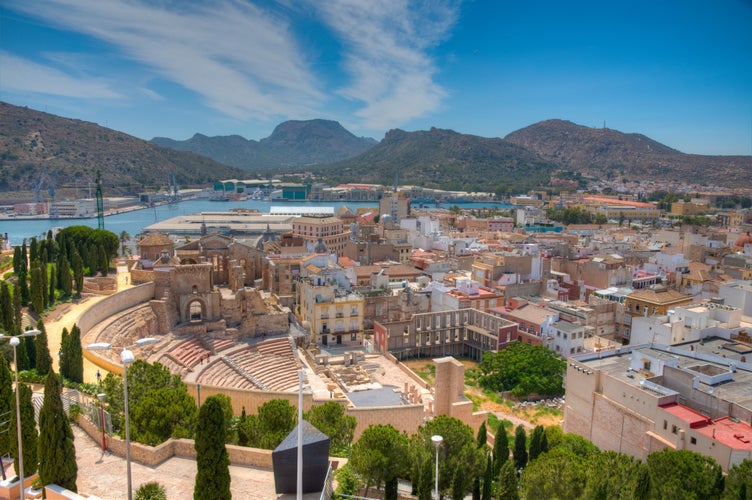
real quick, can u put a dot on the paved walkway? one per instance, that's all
(104, 475)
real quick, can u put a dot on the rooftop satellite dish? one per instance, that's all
(642, 381)
(710, 390)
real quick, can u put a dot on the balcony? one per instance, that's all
(340, 315)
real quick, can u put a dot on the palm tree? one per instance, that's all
(124, 237)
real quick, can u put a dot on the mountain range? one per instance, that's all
(40, 150)
(35, 146)
(292, 143)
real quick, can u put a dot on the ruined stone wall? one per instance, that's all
(114, 304)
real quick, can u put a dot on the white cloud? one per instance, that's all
(242, 60)
(387, 58)
(21, 75)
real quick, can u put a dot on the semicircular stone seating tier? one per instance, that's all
(128, 325)
(269, 365)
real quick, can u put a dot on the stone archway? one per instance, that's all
(196, 311)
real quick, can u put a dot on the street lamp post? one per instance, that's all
(437, 440)
(15, 341)
(127, 357)
(101, 396)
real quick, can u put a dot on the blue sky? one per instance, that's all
(677, 71)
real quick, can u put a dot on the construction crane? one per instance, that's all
(100, 203)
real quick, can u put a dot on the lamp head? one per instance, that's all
(14, 341)
(437, 440)
(98, 346)
(127, 357)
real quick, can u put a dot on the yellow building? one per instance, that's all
(334, 317)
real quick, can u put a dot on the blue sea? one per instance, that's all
(134, 222)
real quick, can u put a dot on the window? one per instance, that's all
(674, 429)
(693, 440)
(665, 425)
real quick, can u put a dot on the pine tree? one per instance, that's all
(501, 449)
(212, 460)
(44, 360)
(28, 432)
(6, 396)
(75, 356)
(57, 454)
(520, 447)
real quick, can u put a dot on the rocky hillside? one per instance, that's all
(291, 144)
(36, 146)
(445, 159)
(603, 152)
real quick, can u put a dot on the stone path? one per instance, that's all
(104, 475)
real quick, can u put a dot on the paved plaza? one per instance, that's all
(104, 475)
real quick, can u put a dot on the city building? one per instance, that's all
(693, 396)
(327, 230)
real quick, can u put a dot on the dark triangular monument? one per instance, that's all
(315, 460)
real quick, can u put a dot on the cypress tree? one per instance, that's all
(53, 284)
(482, 435)
(57, 454)
(17, 260)
(212, 460)
(506, 486)
(64, 365)
(520, 447)
(23, 286)
(17, 310)
(75, 356)
(31, 350)
(51, 250)
(22, 355)
(104, 260)
(243, 438)
(45, 284)
(33, 250)
(37, 292)
(488, 480)
(501, 449)
(535, 442)
(6, 308)
(24, 261)
(28, 432)
(6, 396)
(65, 283)
(78, 272)
(44, 360)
